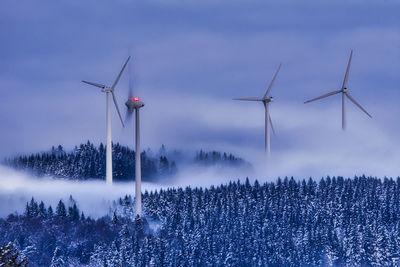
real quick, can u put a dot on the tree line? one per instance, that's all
(87, 161)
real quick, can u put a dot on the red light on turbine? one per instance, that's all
(135, 99)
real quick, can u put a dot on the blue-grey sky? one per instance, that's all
(190, 58)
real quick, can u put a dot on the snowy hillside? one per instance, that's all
(335, 221)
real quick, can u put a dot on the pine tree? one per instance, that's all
(42, 210)
(73, 212)
(60, 210)
(50, 212)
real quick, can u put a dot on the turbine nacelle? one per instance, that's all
(107, 90)
(344, 90)
(134, 103)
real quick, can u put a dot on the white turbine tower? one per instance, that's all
(265, 100)
(109, 90)
(345, 94)
(134, 104)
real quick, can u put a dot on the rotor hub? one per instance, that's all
(269, 99)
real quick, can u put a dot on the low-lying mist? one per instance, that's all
(95, 197)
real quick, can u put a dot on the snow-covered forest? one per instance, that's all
(87, 161)
(331, 222)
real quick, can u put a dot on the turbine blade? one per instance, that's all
(128, 115)
(95, 84)
(248, 99)
(130, 88)
(358, 105)
(120, 73)
(272, 126)
(323, 96)
(116, 106)
(346, 76)
(272, 82)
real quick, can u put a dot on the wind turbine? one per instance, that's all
(109, 90)
(134, 104)
(265, 100)
(345, 94)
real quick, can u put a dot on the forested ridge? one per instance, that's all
(88, 161)
(330, 222)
